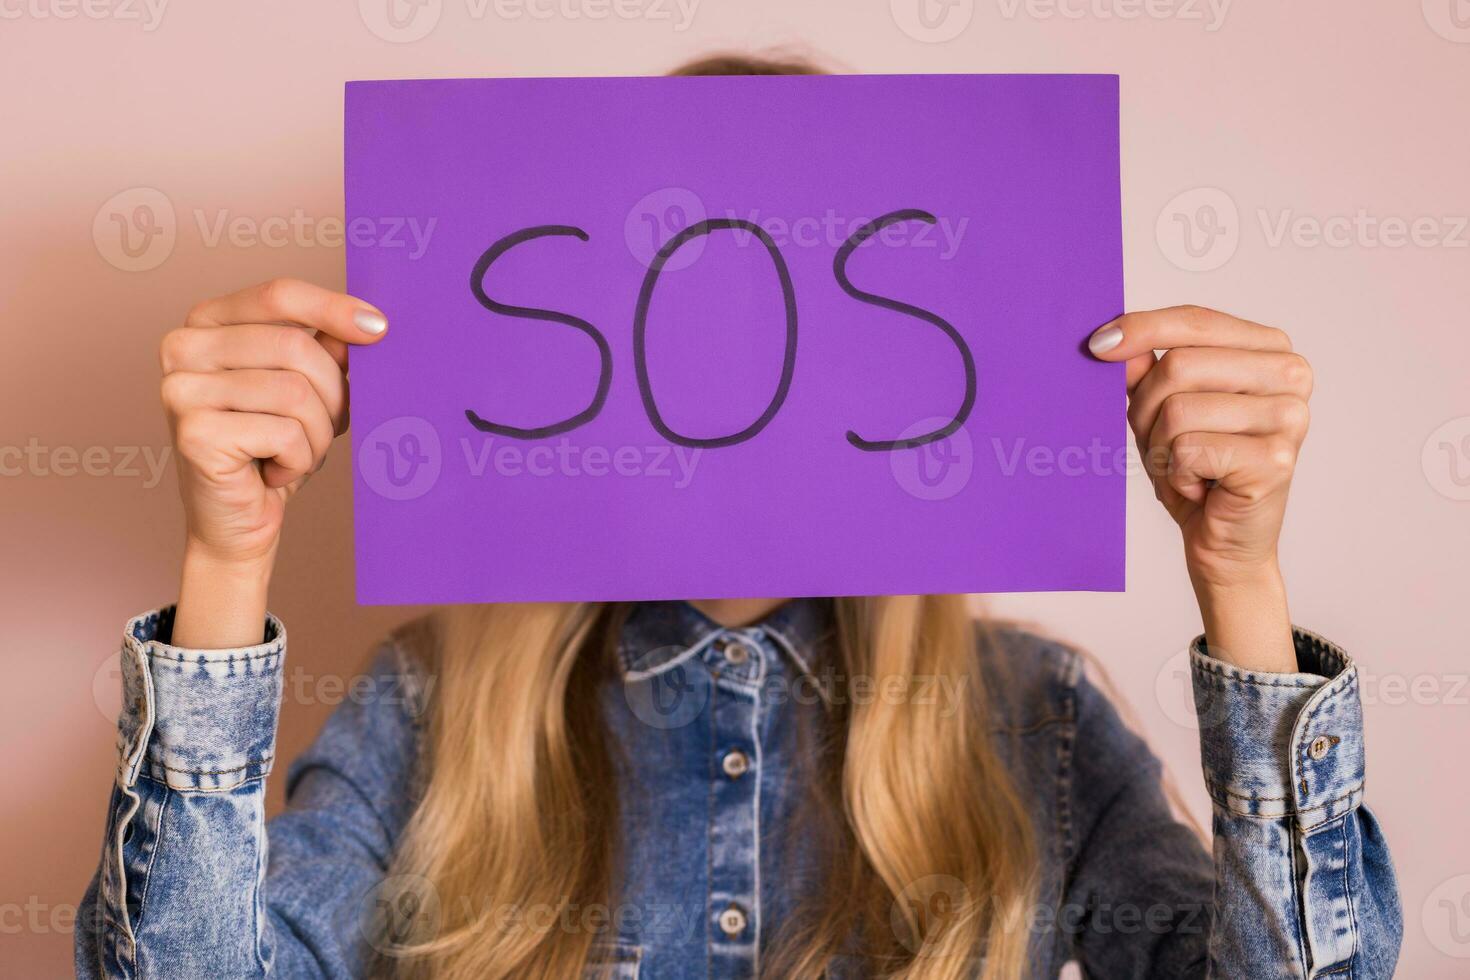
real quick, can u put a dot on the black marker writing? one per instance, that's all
(839, 269)
(477, 287)
(640, 329)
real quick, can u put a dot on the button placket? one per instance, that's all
(740, 661)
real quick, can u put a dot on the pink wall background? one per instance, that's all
(1297, 112)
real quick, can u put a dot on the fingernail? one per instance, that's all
(370, 321)
(1105, 338)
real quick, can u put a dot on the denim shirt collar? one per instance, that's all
(658, 635)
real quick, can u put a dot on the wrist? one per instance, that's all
(1246, 619)
(222, 601)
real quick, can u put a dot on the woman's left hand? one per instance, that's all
(1219, 418)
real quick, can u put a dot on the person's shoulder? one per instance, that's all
(372, 739)
(405, 659)
(1031, 679)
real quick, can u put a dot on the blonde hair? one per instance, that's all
(934, 868)
(515, 835)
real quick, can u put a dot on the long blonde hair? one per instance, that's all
(934, 868)
(514, 838)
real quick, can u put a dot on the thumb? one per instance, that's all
(1106, 344)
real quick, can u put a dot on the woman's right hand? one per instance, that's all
(254, 400)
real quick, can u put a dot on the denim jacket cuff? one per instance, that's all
(197, 719)
(1277, 745)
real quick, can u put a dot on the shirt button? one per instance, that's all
(735, 764)
(1320, 746)
(732, 921)
(736, 652)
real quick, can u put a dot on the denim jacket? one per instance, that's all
(706, 719)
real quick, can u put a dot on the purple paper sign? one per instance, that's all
(735, 337)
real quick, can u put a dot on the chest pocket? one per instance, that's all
(613, 962)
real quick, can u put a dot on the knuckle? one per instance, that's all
(1174, 415)
(192, 435)
(1196, 318)
(1280, 456)
(174, 391)
(301, 442)
(1297, 372)
(276, 295)
(292, 345)
(1185, 446)
(294, 390)
(1294, 416)
(197, 314)
(171, 349)
(1174, 367)
(1135, 417)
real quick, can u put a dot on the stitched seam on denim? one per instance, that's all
(1030, 729)
(1327, 653)
(1237, 679)
(257, 898)
(151, 777)
(210, 772)
(148, 872)
(1299, 872)
(709, 844)
(755, 899)
(1322, 647)
(115, 848)
(795, 655)
(156, 654)
(1065, 745)
(1347, 892)
(644, 674)
(1286, 811)
(1305, 726)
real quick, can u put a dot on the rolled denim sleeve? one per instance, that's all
(187, 886)
(1303, 881)
(195, 739)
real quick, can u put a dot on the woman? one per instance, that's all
(806, 787)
